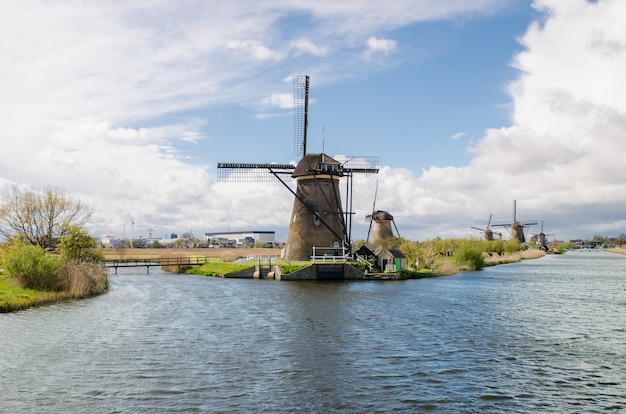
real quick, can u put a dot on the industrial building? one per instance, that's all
(240, 238)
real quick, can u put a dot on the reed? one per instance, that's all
(80, 279)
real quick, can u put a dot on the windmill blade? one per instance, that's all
(251, 172)
(371, 216)
(358, 164)
(300, 114)
(369, 231)
(489, 222)
(396, 227)
(375, 195)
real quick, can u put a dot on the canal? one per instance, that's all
(546, 335)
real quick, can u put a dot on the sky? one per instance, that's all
(469, 105)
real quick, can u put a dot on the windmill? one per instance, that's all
(542, 241)
(516, 228)
(318, 218)
(381, 221)
(487, 232)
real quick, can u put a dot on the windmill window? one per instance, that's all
(328, 167)
(316, 219)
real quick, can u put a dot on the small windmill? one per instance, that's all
(517, 228)
(381, 221)
(487, 232)
(542, 240)
(318, 218)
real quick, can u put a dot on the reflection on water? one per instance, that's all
(545, 335)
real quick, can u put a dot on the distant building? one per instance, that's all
(240, 238)
(109, 240)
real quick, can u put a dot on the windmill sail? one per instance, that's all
(300, 114)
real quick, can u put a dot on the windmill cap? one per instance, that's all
(312, 164)
(382, 215)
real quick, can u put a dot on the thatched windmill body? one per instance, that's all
(318, 218)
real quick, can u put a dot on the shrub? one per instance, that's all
(470, 258)
(77, 244)
(512, 246)
(32, 267)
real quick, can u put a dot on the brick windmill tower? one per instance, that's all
(318, 219)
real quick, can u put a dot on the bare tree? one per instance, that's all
(40, 217)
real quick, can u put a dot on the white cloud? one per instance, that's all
(304, 45)
(280, 100)
(377, 47)
(256, 50)
(563, 152)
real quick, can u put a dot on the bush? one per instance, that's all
(512, 246)
(77, 244)
(32, 267)
(470, 258)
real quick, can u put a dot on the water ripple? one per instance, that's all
(540, 336)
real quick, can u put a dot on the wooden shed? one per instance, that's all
(391, 260)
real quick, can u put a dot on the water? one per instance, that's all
(546, 335)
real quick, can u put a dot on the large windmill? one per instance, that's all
(318, 218)
(517, 228)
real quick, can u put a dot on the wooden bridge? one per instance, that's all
(179, 262)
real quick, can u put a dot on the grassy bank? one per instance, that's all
(13, 297)
(446, 266)
(79, 285)
(75, 281)
(513, 257)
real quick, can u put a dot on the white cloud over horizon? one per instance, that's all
(97, 101)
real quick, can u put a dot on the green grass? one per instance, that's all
(14, 298)
(287, 267)
(220, 268)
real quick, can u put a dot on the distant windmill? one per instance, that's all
(487, 232)
(516, 228)
(542, 240)
(318, 218)
(381, 221)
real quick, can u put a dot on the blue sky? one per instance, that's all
(446, 79)
(470, 104)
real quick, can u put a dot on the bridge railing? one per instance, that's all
(329, 254)
(159, 261)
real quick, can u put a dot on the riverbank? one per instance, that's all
(14, 298)
(513, 257)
